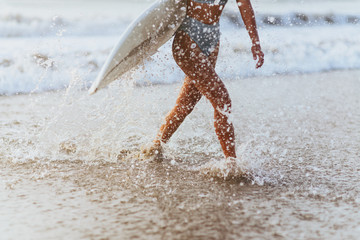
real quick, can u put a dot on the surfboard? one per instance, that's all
(143, 37)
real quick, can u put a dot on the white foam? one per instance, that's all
(43, 64)
(225, 168)
(43, 52)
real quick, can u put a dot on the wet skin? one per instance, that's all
(201, 78)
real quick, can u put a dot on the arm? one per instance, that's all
(248, 16)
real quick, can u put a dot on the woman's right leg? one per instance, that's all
(188, 97)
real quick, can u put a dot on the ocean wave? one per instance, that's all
(43, 53)
(18, 25)
(298, 19)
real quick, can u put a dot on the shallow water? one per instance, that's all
(69, 165)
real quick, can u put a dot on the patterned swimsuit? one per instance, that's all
(206, 36)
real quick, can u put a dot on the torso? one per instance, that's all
(205, 11)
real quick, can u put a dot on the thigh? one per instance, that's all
(200, 69)
(186, 51)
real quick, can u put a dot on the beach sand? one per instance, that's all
(69, 171)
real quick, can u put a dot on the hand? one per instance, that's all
(257, 54)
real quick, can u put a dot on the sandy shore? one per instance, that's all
(68, 169)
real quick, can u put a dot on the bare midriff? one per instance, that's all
(203, 12)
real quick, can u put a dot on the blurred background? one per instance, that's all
(46, 42)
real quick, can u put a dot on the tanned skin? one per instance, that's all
(201, 78)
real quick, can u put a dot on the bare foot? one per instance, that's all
(233, 168)
(153, 151)
(231, 163)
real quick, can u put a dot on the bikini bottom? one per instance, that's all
(206, 36)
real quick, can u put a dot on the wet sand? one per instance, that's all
(69, 171)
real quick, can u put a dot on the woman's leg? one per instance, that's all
(214, 90)
(188, 97)
(203, 79)
(201, 70)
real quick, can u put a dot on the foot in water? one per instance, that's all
(153, 151)
(227, 169)
(233, 169)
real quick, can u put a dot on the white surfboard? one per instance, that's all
(144, 36)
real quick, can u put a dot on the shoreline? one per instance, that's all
(150, 84)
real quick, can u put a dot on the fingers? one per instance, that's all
(258, 55)
(261, 59)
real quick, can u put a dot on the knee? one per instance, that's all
(223, 109)
(226, 103)
(222, 102)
